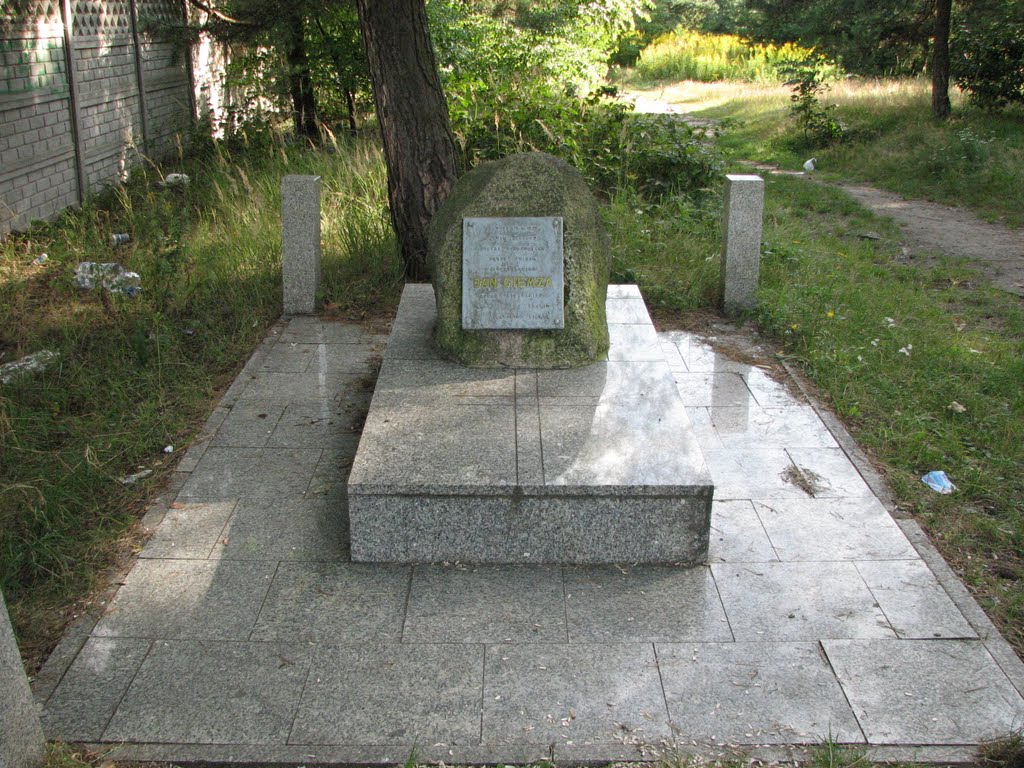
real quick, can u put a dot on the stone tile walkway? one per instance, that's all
(243, 632)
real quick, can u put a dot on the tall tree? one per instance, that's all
(940, 59)
(413, 116)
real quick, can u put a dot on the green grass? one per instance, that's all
(975, 160)
(138, 374)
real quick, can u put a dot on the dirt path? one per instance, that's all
(928, 228)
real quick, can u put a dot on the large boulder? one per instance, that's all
(534, 184)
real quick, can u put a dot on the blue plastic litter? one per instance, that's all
(938, 481)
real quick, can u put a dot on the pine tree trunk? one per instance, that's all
(940, 60)
(413, 116)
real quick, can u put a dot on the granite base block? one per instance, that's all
(589, 465)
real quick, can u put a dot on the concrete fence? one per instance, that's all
(85, 91)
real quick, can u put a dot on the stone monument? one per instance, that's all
(520, 262)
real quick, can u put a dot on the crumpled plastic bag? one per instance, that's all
(37, 361)
(939, 482)
(112, 276)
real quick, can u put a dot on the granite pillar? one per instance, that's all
(741, 242)
(300, 243)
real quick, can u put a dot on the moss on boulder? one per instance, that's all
(525, 185)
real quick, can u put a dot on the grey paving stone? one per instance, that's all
(311, 529)
(231, 473)
(699, 356)
(621, 443)
(313, 330)
(796, 426)
(926, 691)
(704, 429)
(737, 535)
(529, 454)
(831, 470)
(386, 694)
(332, 470)
(334, 603)
(755, 693)
(289, 356)
(305, 425)
(430, 446)
(90, 691)
(188, 598)
(833, 529)
(202, 692)
(438, 383)
(277, 386)
(627, 311)
(643, 604)
(751, 474)
(798, 601)
(720, 389)
(614, 380)
(633, 342)
(770, 392)
(248, 425)
(913, 600)
(189, 531)
(573, 694)
(485, 604)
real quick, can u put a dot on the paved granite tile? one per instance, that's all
(770, 392)
(332, 470)
(913, 600)
(606, 381)
(334, 603)
(313, 330)
(627, 311)
(926, 691)
(360, 358)
(231, 473)
(699, 356)
(187, 598)
(718, 390)
(289, 356)
(189, 531)
(485, 604)
(751, 474)
(831, 472)
(635, 343)
(248, 425)
(439, 383)
(573, 694)
(703, 428)
(202, 692)
(90, 691)
(796, 426)
(737, 535)
(387, 694)
(305, 425)
(643, 604)
(310, 529)
(754, 693)
(833, 529)
(798, 601)
(268, 387)
(529, 456)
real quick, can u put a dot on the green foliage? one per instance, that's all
(690, 55)
(819, 124)
(512, 91)
(988, 52)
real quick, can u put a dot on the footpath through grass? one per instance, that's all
(137, 374)
(975, 160)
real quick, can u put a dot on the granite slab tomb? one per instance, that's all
(597, 464)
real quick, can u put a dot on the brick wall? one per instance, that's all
(85, 91)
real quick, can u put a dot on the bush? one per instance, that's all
(689, 55)
(988, 60)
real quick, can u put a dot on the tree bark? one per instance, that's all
(300, 82)
(413, 116)
(940, 60)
